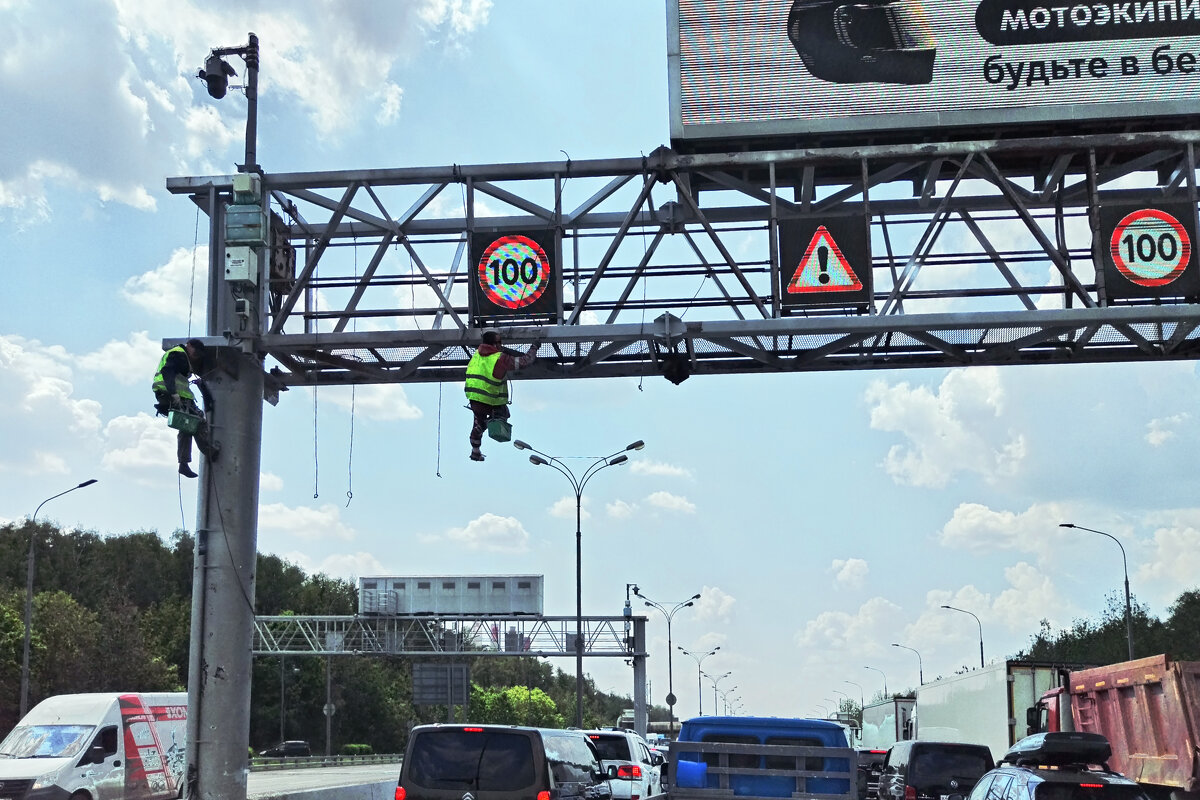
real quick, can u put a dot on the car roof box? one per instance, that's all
(1060, 749)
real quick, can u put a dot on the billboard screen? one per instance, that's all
(746, 68)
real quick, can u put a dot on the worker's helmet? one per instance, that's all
(883, 41)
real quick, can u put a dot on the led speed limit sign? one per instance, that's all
(513, 274)
(1150, 251)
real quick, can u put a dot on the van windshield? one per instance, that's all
(46, 741)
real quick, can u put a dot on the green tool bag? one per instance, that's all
(184, 422)
(499, 429)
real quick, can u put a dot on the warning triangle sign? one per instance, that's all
(823, 268)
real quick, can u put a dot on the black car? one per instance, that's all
(500, 762)
(290, 749)
(1057, 766)
(919, 770)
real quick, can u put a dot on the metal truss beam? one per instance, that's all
(983, 253)
(482, 636)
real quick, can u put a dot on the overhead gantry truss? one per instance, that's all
(518, 635)
(983, 253)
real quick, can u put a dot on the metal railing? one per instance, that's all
(264, 763)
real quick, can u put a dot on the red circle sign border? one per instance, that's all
(1114, 247)
(486, 286)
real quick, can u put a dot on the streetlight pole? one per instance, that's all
(699, 689)
(577, 483)
(977, 622)
(920, 665)
(715, 680)
(29, 595)
(885, 691)
(862, 698)
(670, 615)
(1125, 567)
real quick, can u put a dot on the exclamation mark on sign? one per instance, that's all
(823, 261)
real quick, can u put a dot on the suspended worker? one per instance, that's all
(173, 392)
(487, 384)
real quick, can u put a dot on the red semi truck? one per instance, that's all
(1149, 710)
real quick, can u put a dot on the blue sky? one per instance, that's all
(821, 516)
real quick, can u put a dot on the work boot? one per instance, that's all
(186, 471)
(476, 455)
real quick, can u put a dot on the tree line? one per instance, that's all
(112, 613)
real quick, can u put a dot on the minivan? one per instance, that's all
(917, 770)
(500, 762)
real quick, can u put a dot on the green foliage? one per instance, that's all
(1104, 641)
(356, 750)
(515, 705)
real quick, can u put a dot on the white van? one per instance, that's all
(106, 746)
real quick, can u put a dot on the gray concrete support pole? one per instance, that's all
(223, 582)
(641, 717)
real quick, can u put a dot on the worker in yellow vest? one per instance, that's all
(487, 384)
(173, 392)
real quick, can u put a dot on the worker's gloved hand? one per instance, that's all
(163, 404)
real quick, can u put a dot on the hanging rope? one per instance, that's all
(316, 466)
(350, 458)
(438, 468)
(192, 290)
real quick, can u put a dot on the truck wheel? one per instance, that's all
(81, 795)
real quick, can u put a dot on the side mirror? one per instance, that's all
(95, 754)
(611, 771)
(656, 759)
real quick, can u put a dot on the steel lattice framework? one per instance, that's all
(983, 252)
(441, 636)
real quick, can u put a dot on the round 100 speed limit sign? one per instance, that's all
(513, 272)
(1150, 247)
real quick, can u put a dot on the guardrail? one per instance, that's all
(263, 763)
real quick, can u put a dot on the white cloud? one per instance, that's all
(350, 566)
(127, 108)
(269, 482)
(309, 524)
(948, 431)
(492, 533)
(979, 529)
(714, 603)
(671, 502)
(564, 508)
(876, 620)
(177, 289)
(658, 468)
(36, 384)
(1031, 596)
(386, 402)
(1174, 554)
(141, 447)
(1160, 431)
(619, 509)
(125, 361)
(851, 572)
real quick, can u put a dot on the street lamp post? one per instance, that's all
(1125, 567)
(577, 483)
(699, 687)
(670, 615)
(920, 665)
(29, 595)
(877, 669)
(715, 680)
(977, 622)
(862, 698)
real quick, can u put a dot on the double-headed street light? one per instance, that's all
(715, 680)
(699, 688)
(577, 483)
(29, 595)
(977, 622)
(1125, 567)
(920, 666)
(670, 615)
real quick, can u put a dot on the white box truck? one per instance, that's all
(984, 706)
(109, 746)
(887, 722)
